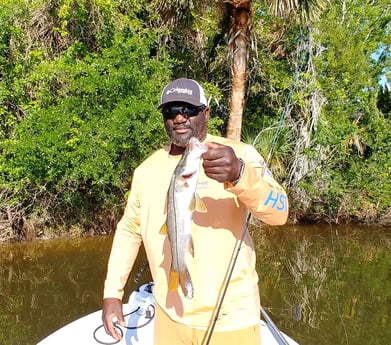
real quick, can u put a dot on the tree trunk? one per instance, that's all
(238, 47)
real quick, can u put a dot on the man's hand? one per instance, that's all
(112, 308)
(220, 163)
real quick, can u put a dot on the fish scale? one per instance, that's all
(182, 202)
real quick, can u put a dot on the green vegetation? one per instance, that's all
(80, 83)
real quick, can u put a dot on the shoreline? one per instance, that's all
(31, 231)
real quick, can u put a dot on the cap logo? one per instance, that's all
(179, 90)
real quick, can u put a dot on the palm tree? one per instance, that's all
(177, 12)
(238, 46)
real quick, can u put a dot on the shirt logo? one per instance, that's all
(277, 200)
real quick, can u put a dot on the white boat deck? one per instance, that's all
(89, 330)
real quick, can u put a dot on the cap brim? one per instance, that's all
(196, 104)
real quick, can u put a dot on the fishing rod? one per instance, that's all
(269, 323)
(210, 332)
(272, 327)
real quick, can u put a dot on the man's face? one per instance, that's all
(183, 121)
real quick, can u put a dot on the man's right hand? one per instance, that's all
(112, 308)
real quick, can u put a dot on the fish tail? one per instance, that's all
(173, 281)
(186, 284)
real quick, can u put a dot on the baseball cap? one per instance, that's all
(183, 90)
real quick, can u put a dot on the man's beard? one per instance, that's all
(181, 141)
(195, 130)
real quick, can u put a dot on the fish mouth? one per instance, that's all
(187, 176)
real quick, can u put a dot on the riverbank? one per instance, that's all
(27, 229)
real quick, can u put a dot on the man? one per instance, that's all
(233, 180)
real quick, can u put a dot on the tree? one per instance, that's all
(240, 14)
(238, 46)
(350, 142)
(74, 97)
(238, 43)
(89, 117)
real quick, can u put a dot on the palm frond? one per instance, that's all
(264, 142)
(175, 12)
(306, 11)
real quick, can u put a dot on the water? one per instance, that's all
(321, 285)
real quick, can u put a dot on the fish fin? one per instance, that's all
(193, 204)
(173, 281)
(199, 204)
(166, 204)
(163, 229)
(186, 284)
(190, 246)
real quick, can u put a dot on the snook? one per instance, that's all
(182, 201)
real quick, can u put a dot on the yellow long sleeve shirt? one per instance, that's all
(216, 235)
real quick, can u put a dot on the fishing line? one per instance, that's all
(281, 119)
(337, 281)
(267, 162)
(287, 105)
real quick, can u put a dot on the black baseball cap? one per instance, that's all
(183, 90)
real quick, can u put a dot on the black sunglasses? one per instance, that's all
(170, 112)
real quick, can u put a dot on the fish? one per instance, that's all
(182, 201)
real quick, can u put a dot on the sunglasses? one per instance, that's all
(170, 112)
